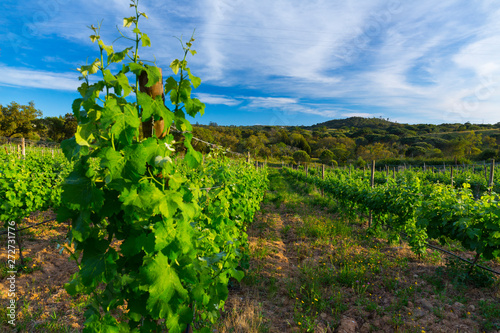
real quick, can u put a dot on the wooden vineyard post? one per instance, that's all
(394, 172)
(451, 175)
(23, 147)
(424, 166)
(372, 184)
(248, 157)
(492, 173)
(256, 165)
(307, 169)
(153, 91)
(372, 178)
(323, 178)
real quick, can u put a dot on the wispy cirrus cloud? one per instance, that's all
(22, 77)
(218, 99)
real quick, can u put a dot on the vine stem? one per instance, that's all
(136, 55)
(474, 263)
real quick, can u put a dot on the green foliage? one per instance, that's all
(491, 312)
(301, 156)
(326, 156)
(55, 128)
(16, 120)
(360, 162)
(463, 273)
(29, 184)
(179, 223)
(420, 209)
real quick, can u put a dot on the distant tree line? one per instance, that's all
(359, 140)
(353, 140)
(27, 121)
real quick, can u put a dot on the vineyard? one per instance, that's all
(128, 228)
(299, 236)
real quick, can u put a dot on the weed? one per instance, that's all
(462, 274)
(438, 312)
(436, 280)
(433, 258)
(338, 305)
(371, 306)
(285, 230)
(348, 275)
(491, 314)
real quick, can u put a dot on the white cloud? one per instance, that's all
(290, 106)
(271, 102)
(22, 77)
(357, 114)
(217, 99)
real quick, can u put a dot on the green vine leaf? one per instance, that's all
(163, 284)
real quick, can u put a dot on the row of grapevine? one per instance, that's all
(478, 178)
(421, 209)
(30, 184)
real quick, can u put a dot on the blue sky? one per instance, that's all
(280, 62)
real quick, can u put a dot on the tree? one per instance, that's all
(17, 120)
(301, 156)
(375, 151)
(340, 154)
(326, 156)
(300, 142)
(255, 143)
(55, 128)
(70, 125)
(472, 141)
(360, 162)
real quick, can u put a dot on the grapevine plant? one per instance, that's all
(156, 251)
(423, 210)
